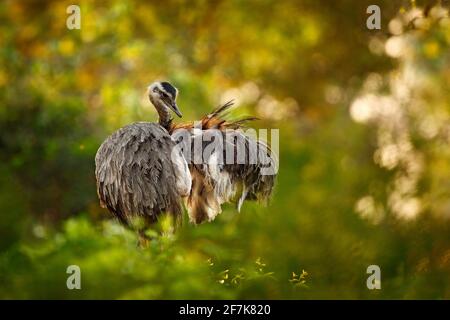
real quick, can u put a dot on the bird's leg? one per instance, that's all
(144, 240)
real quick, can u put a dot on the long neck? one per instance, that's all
(165, 118)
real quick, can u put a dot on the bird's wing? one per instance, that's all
(217, 119)
(216, 180)
(139, 174)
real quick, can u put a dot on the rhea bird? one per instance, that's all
(140, 175)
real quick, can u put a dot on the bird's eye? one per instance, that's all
(155, 89)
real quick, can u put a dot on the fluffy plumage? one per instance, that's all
(215, 183)
(136, 176)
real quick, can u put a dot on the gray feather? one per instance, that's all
(135, 174)
(217, 183)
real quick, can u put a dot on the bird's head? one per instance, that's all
(164, 95)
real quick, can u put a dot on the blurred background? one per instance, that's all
(364, 123)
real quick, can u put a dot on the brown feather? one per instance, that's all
(215, 120)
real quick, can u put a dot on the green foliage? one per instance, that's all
(301, 66)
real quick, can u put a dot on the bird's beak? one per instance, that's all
(174, 107)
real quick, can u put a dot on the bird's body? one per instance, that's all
(142, 172)
(136, 176)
